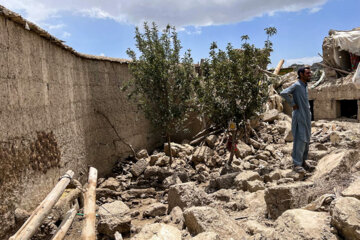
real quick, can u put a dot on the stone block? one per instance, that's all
(158, 231)
(186, 195)
(207, 219)
(303, 224)
(139, 167)
(281, 198)
(346, 217)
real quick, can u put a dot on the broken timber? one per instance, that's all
(278, 67)
(88, 231)
(29, 228)
(66, 223)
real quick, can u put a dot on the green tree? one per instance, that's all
(233, 87)
(161, 80)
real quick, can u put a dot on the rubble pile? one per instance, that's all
(260, 197)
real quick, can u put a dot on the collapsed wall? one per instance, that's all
(48, 97)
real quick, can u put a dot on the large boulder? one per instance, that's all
(283, 197)
(158, 231)
(353, 190)
(207, 219)
(336, 165)
(242, 178)
(186, 195)
(303, 224)
(346, 217)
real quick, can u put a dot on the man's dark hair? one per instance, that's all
(302, 70)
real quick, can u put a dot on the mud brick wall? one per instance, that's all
(48, 95)
(326, 105)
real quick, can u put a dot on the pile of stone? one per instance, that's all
(259, 198)
(199, 196)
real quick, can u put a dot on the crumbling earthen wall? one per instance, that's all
(326, 105)
(48, 125)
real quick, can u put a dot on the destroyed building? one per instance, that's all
(337, 94)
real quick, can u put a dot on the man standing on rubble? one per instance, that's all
(301, 118)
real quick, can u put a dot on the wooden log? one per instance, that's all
(336, 69)
(88, 231)
(29, 228)
(278, 67)
(200, 139)
(66, 222)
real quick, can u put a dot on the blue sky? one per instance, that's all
(107, 27)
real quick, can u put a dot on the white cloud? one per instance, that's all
(180, 13)
(102, 54)
(56, 26)
(66, 34)
(315, 9)
(303, 60)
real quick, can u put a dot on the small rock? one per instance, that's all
(110, 183)
(155, 209)
(142, 154)
(243, 177)
(139, 167)
(158, 231)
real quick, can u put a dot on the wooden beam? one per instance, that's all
(66, 223)
(88, 231)
(278, 67)
(336, 69)
(29, 228)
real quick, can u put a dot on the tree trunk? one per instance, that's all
(233, 146)
(29, 228)
(88, 231)
(169, 144)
